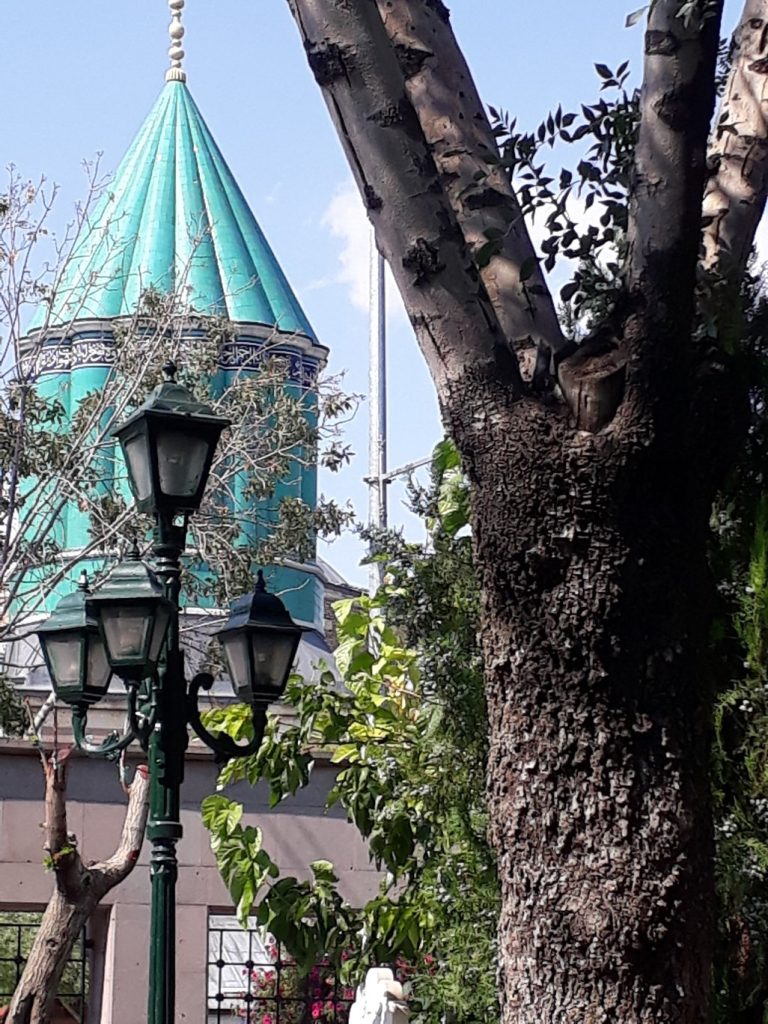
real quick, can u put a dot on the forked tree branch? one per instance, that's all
(440, 86)
(355, 65)
(78, 890)
(735, 195)
(676, 105)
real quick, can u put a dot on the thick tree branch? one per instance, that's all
(60, 846)
(677, 100)
(355, 65)
(439, 84)
(111, 872)
(735, 195)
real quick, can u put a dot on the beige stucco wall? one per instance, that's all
(295, 833)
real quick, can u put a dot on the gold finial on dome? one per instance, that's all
(175, 73)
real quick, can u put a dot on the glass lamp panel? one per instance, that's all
(137, 456)
(126, 631)
(181, 460)
(273, 652)
(99, 672)
(236, 652)
(162, 618)
(65, 658)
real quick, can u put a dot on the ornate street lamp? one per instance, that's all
(74, 650)
(168, 445)
(130, 626)
(260, 640)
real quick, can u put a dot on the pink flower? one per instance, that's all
(317, 1010)
(266, 1019)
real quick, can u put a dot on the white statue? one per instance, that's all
(379, 1000)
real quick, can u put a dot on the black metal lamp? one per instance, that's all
(74, 650)
(260, 640)
(133, 613)
(168, 445)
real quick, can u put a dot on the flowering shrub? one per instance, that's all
(279, 991)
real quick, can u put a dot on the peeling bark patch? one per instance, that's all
(486, 198)
(674, 108)
(760, 67)
(371, 197)
(662, 44)
(422, 259)
(393, 115)
(327, 62)
(440, 9)
(411, 58)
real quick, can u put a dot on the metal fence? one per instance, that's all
(17, 933)
(252, 979)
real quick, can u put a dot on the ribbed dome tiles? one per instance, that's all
(175, 218)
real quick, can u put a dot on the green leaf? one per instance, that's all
(221, 815)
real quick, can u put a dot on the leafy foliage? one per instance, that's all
(605, 133)
(408, 733)
(740, 767)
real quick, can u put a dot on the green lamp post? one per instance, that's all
(129, 627)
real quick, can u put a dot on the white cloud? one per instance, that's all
(346, 220)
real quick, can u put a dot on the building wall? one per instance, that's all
(295, 833)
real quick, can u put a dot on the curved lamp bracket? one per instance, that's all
(221, 744)
(109, 748)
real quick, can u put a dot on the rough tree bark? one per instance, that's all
(77, 891)
(590, 544)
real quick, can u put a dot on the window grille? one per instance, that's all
(252, 979)
(17, 933)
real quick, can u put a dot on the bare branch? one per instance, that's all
(734, 199)
(355, 65)
(439, 84)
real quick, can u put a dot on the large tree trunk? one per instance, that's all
(78, 890)
(62, 923)
(591, 543)
(596, 600)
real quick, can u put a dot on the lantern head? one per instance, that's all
(260, 640)
(73, 649)
(168, 446)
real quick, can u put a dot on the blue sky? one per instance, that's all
(79, 77)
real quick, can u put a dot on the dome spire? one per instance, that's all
(175, 72)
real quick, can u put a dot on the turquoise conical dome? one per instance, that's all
(175, 219)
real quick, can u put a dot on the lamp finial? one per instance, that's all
(175, 72)
(260, 584)
(170, 369)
